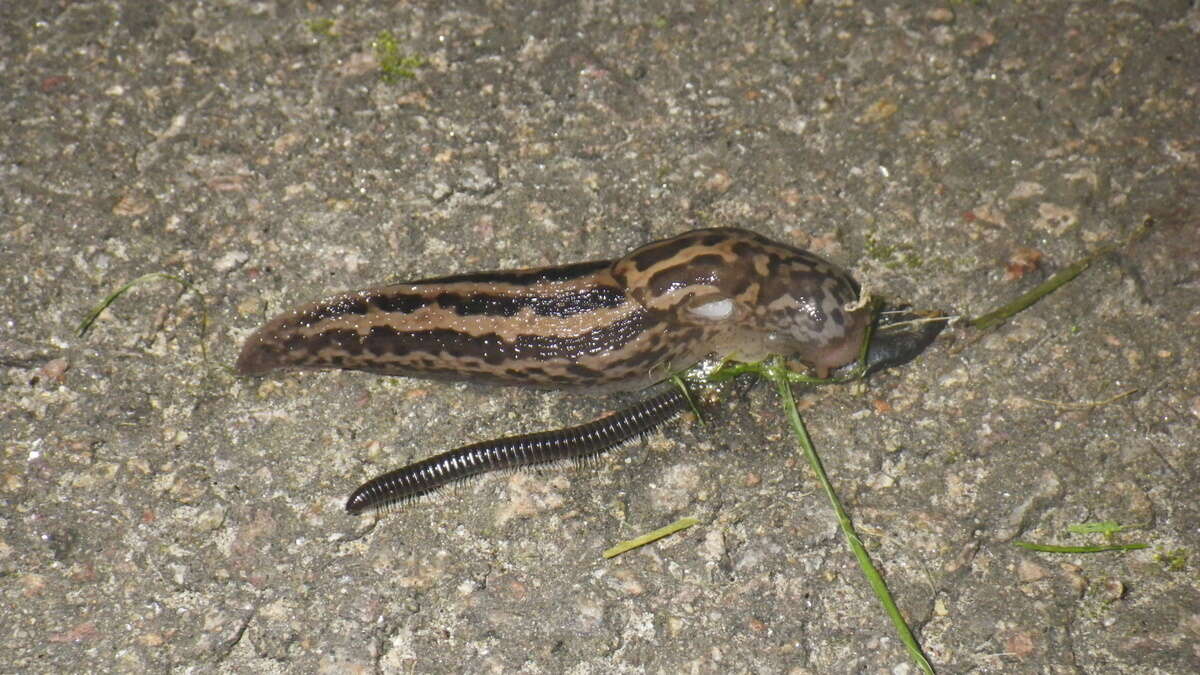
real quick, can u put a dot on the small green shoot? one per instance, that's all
(1108, 528)
(1174, 560)
(321, 27)
(649, 537)
(90, 319)
(1105, 527)
(892, 256)
(394, 65)
(678, 381)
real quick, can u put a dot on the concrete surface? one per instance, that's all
(162, 515)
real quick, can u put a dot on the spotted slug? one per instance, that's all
(602, 325)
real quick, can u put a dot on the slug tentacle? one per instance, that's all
(547, 447)
(900, 336)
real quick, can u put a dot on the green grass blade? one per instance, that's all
(86, 325)
(1027, 299)
(1051, 548)
(777, 374)
(1062, 277)
(649, 537)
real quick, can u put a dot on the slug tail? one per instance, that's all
(259, 356)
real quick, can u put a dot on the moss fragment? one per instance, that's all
(393, 64)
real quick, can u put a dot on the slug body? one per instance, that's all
(603, 325)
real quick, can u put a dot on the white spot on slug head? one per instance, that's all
(716, 310)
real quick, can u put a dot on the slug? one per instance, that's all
(602, 325)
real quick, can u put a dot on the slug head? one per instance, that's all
(749, 296)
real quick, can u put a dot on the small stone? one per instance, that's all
(878, 112)
(132, 204)
(1029, 571)
(940, 15)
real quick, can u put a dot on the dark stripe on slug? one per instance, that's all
(370, 350)
(701, 270)
(712, 239)
(802, 278)
(359, 304)
(603, 340)
(584, 372)
(644, 359)
(399, 303)
(570, 304)
(347, 304)
(653, 254)
(560, 305)
(790, 258)
(838, 316)
(526, 277)
(480, 304)
(745, 250)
